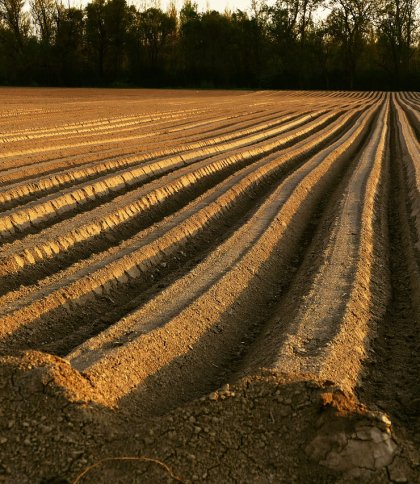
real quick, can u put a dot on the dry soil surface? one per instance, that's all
(209, 286)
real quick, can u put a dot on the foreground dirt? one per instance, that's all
(209, 286)
(268, 428)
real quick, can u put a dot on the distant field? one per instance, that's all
(158, 245)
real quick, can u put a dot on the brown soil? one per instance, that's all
(209, 286)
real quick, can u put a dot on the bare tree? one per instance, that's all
(15, 19)
(349, 24)
(397, 24)
(306, 10)
(44, 13)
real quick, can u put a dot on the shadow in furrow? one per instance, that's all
(125, 231)
(96, 244)
(218, 355)
(93, 317)
(95, 156)
(82, 203)
(391, 378)
(62, 185)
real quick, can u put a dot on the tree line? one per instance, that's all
(291, 44)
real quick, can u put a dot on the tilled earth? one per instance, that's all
(209, 286)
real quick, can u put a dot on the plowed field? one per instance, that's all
(209, 286)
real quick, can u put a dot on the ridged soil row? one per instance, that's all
(230, 202)
(44, 212)
(41, 165)
(128, 208)
(27, 145)
(410, 99)
(391, 379)
(71, 200)
(92, 122)
(140, 131)
(43, 186)
(22, 152)
(201, 319)
(28, 112)
(90, 127)
(191, 131)
(414, 98)
(324, 325)
(68, 295)
(43, 148)
(221, 208)
(65, 126)
(16, 112)
(406, 152)
(124, 232)
(333, 94)
(412, 113)
(88, 240)
(128, 178)
(409, 150)
(42, 178)
(100, 128)
(324, 104)
(52, 261)
(23, 155)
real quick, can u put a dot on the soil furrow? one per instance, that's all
(226, 282)
(137, 262)
(152, 200)
(39, 212)
(412, 114)
(390, 381)
(409, 154)
(340, 295)
(190, 132)
(93, 123)
(66, 139)
(209, 335)
(111, 125)
(13, 196)
(236, 213)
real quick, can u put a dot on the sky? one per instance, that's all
(219, 5)
(203, 5)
